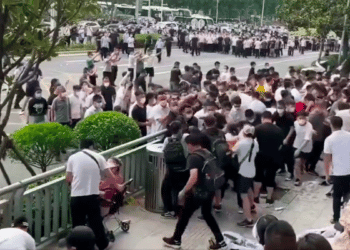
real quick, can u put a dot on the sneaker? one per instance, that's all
(246, 223)
(240, 210)
(312, 172)
(253, 209)
(201, 218)
(332, 221)
(21, 113)
(270, 201)
(329, 194)
(218, 245)
(281, 172)
(170, 242)
(170, 215)
(217, 208)
(288, 179)
(257, 200)
(297, 183)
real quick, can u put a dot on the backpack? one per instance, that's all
(221, 151)
(174, 155)
(214, 176)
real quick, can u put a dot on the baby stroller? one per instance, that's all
(112, 205)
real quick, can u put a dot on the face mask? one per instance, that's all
(163, 103)
(143, 100)
(188, 116)
(37, 95)
(106, 84)
(280, 111)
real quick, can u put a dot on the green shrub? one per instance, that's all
(140, 39)
(107, 129)
(78, 47)
(40, 143)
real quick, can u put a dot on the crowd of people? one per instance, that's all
(254, 128)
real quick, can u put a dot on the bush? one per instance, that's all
(107, 129)
(40, 143)
(78, 47)
(140, 39)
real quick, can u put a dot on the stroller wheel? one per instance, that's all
(110, 236)
(125, 226)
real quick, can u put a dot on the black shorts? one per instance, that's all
(302, 155)
(244, 184)
(150, 71)
(266, 168)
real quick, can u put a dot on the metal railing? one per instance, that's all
(47, 205)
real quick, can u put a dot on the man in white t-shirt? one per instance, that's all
(337, 154)
(84, 170)
(17, 237)
(158, 113)
(256, 105)
(75, 105)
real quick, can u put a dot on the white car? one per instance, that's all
(225, 27)
(162, 25)
(94, 25)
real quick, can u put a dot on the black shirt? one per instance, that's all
(197, 162)
(270, 138)
(108, 94)
(175, 75)
(284, 122)
(37, 107)
(139, 114)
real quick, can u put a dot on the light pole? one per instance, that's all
(161, 12)
(217, 10)
(149, 8)
(262, 13)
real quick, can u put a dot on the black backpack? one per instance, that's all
(214, 175)
(222, 152)
(174, 155)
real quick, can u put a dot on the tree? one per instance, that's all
(323, 15)
(40, 143)
(21, 36)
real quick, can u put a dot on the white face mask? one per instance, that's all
(106, 84)
(280, 111)
(143, 100)
(37, 95)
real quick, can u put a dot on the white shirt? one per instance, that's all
(257, 45)
(337, 144)
(159, 44)
(149, 61)
(75, 106)
(296, 94)
(16, 239)
(303, 133)
(157, 113)
(345, 116)
(105, 42)
(225, 76)
(257, 106)
(91, 111)
(278, 96)
(246, 100)
(199, 115)
(247, 168)
(86, 173)
(132, 60)
(131, 42)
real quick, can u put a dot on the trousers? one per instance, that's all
(87, 209)
(341, 186)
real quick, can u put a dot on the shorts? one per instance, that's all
(266, 168)
(244, 184)
(302, 155)
(150, 71)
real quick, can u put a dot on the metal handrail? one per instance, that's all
(59, 170)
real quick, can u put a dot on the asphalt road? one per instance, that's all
(70, 68)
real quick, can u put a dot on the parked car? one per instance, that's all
(162, 25)
(94, 25)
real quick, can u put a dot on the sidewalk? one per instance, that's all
(304, 208)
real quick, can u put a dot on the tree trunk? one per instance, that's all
(7, 178)
(25, 163)
(321, 49)
(345, 45)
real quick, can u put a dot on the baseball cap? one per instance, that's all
(81, 237)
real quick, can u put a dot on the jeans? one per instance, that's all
(89, 206)
(191, 205)
(341, 186)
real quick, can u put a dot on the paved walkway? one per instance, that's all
(305, 207)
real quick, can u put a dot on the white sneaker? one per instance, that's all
(240, 211)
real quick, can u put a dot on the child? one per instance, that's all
(302, 144)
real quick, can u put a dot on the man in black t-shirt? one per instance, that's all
(214, 73)
(108, 92)
(175, 75)
(37, 108)
(139, 113)
(192, 196)
(285, 121)
(268, 160)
